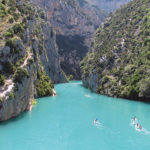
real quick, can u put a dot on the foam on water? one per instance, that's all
(98, 125)
(87, 95)
(134, 124)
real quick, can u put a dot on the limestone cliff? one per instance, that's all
(29, 61)
(75, 22)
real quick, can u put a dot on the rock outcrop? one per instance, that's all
(29, 60)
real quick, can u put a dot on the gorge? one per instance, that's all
(30, 60)
(82, 67)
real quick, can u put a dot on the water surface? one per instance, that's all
(65, 122)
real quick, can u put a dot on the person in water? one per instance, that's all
(96, 120)
(139, 126)
(134, 121)
(134, 118)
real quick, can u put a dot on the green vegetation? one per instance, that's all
(12, 96)
(20, 61)
(70, 77)
(3, 10)
(44, 85)
(11, 20)
(2, 80)
(34, 102)
(18, 28)
(30, 61)
(12, 45)
(20, 75)
(9, 34)
(9, 68)
(4, 2)
(121, 58)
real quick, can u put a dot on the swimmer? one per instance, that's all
(140, 127)
(134, 118)
(134, 121)
(87, 95)
(95, 121)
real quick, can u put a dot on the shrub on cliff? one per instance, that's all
(12, 96)
(20, 75)
(144, 88)
(44, 85)
(10, 43)
(4, 2)
(11, 20)
(2, 80)
(8, 35)
(70, 77)
(18, 28)
(3, 10)
(9, 68)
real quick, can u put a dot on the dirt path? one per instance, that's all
(26, 60)
(7, 88)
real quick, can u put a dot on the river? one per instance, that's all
(65, 122)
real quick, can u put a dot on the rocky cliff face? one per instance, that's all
(118, 64)
(75, 21)
(14, 102)
(29, 61)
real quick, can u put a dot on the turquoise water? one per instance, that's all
(65, 122)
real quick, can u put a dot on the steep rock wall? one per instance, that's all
(29, 60)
